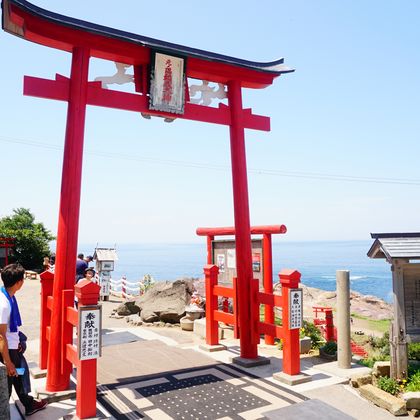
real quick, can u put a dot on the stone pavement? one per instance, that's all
(160, 373)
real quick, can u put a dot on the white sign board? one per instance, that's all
(107, 266)
(231, 258)
(167, 88)
(105, 282)
(89, 332)
(295, 309)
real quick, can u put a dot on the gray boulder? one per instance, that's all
(128, 308)
(165, 301)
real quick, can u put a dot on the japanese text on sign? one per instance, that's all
(89, 332)
(295, 309)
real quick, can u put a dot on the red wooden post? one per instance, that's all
(255, 289)
(88, 294)
(242, 223)
(212, 326)
(329, 325)
(268, 283)
(289, 279)
(210, 238)
(235, 308)
(68, 222)
(47, 279)
(66, 330)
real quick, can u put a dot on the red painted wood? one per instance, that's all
(235, 308)
(223, 291)
(72, 316)
(270, 299)
(255, 230)
(212, 327)
(66, 331)
(47, 279)
(210, 239)
(289, 279)
(88, 294)
(71, 354)
(225, 317)
(86, 389)
(68, 221)
(66, 38)
(59, 90)
(242, 223)
(271, 329)
(268, 283)
(50, 301)
(255, 312)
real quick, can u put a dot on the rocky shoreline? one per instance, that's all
(165, 302)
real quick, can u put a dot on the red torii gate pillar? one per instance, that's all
(68, 222)
(242, 223)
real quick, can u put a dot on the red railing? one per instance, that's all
(87, 293)
(289, 279)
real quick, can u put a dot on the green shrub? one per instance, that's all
(370, 361)
(413, 382)
(389, 385)
(309, 329)
(413, 351)
(381, 344)
(330, 347)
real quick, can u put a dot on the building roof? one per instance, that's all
(395, 245)
(52, 29)
(105, 254)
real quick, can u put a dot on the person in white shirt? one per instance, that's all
(11, 350)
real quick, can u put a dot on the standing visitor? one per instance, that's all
(81, 266)
(12, 350)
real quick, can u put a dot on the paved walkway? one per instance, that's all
(160, 373)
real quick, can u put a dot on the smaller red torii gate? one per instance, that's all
(266, 231)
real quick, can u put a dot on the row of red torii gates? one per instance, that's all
(161, 77)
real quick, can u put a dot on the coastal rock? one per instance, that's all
(165, 301)
(127, 308)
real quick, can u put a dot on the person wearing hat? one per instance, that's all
(88, 259)
(89, 275)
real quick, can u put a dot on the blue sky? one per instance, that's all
(351, 109)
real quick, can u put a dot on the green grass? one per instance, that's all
(381, 325)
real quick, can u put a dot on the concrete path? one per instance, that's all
(154, 372)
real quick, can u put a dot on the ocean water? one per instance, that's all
(316, 261)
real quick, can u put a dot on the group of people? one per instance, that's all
(82, 267)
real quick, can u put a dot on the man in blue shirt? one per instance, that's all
(10, 346)
(81, 266)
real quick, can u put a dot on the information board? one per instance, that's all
(412, 300)
(295, 308)
(89, 332)
(224, 256)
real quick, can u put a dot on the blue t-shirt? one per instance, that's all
(81, 266)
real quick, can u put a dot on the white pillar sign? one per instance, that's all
(295, 308)
(89, 332)
(105, 282)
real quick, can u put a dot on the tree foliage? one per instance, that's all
(31, 238)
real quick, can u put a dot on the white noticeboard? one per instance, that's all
(89, 332)
(295, 309)
(105, 282)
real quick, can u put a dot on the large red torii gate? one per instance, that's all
(84, 40)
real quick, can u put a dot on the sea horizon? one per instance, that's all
(317, 261)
